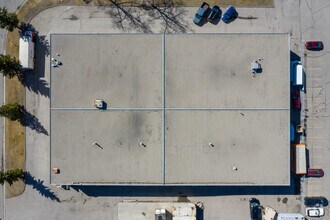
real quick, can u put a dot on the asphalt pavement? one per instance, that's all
(315, 21)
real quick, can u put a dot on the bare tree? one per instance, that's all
(169, 12)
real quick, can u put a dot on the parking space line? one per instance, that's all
(313, 195)
(315, 137)
(313, 68)
(315, 78)
(312, 97)
(317, 147)
(318, 87)
(316, 71)
(314, 186)
(318, 107)
(313, 118)
(317, 166)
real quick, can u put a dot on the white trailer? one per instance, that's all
(26, 52)
(297, 73)
(300, 158)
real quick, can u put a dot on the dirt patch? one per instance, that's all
(14, 131)
(15, 153)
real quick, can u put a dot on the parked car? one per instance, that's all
(314, 45)
(312, 172)
(255, 209)
(316, 201)
(296, 102)
(201, 13)
(314, 212)
(230, 15)
(215, 13)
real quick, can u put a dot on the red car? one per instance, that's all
(315, 172)
(296, 102)
(314, 45)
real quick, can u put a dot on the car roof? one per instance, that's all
(315, 169)
(231, 9)
(315, 210)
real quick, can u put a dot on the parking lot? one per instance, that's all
(219, 202)
(315, 114)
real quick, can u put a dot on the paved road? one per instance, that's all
(11, 5)
(39, 201)
(316, 20)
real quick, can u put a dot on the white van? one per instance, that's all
(297, 72)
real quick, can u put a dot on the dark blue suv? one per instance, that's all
(230, 15)
(255, 209)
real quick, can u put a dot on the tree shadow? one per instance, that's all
(40, 187)
(33, 82)
(170, 13)
(247, 17)
(128, 17)
(32, 79)
(32, 122)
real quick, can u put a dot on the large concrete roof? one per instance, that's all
(177, 94)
